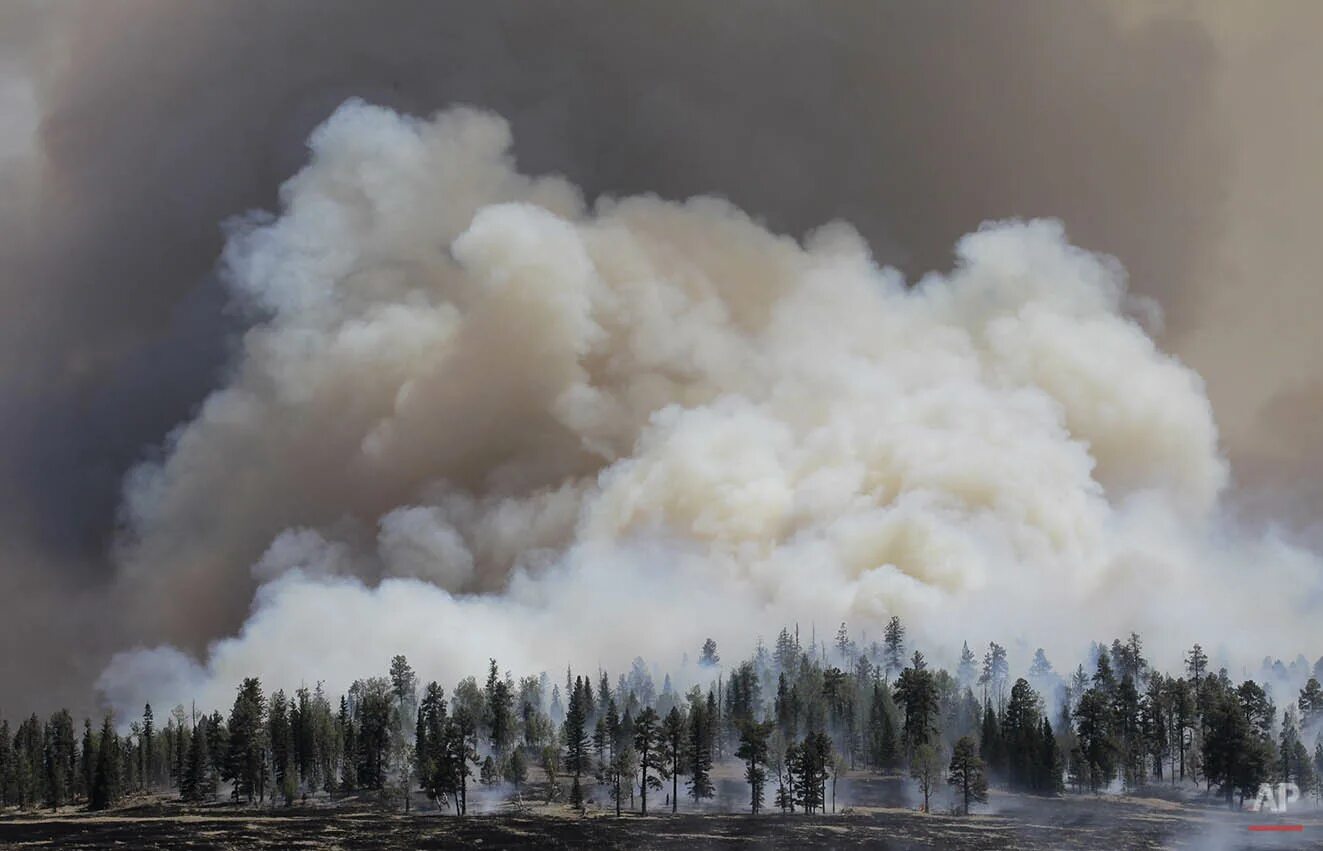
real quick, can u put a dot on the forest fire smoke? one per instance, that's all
(478, 415)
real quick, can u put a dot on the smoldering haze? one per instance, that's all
(150, 122)
(482, 415)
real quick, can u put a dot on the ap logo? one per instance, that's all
(1276, 801)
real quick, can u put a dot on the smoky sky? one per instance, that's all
(158, 121)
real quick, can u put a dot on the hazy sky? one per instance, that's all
(1180, 137)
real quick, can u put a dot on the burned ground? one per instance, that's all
(1009, 821)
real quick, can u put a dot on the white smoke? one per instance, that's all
(475, 417)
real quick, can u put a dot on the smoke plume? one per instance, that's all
(478, 414)
(1179, 138)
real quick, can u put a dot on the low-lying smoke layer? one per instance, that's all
(478, 416)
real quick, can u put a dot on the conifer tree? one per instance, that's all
(575, 730)
(516, 768)
(1311, 703)
(429, 740)
(1093, 726)
(753, 750)
(87, 757)
(968, 667)
(348, 735)
(375, 710)
(1020, 736)
(699, 754)
(647, 742)
(708, 656)
(7, 776)
(916, 692)
(673, 742)
(966, 773)
(29, 749)
(59, 759)
(246, 762)
(809, 764)
(150, 776)
(1049, 780)
(893, 643)
(843, 643)
(196, 784)
(106, 781)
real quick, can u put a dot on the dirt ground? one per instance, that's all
(874, 820)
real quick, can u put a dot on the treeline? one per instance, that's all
(799, 719)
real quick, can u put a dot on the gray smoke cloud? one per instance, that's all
(146, 124)
(482, 415)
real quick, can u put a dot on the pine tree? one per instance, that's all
(787, 708)
(29, 758)
(150, 775)
(809, 769)
(966, 773)
(429, 733)
(301, 725)
(995, 672)
(516, 769)
(1126, 727)
(673, 742)
(348, 735)
(7, 774)
(575, 730)
(246, 762)
(105, 783)
(882, 750)
(404, 685)
(967, 670)
(708, 657)
(196, 785)
(699, 754)
(753, 750)
(843, 643)
(1318, 771)
(376, 714)
(1093, 726)
(87, 758)
(1020, 736)
(786, 653)
(280, 735)
(647, 741)
(487, 774)
(1048, 780)
(454, 757)
(916, 692)
(59, 759)
(613, 746)
(893, 642)
(1311, 703)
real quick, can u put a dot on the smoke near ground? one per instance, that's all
(133, 129)
(482, 415)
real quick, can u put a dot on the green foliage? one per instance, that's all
(966, 773)
(246, 764)
(753, 750)
(106, 780)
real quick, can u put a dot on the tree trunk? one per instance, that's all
(643, 786)
(675, 783)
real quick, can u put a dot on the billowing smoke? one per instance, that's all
(1179, 137)
(477, 414)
